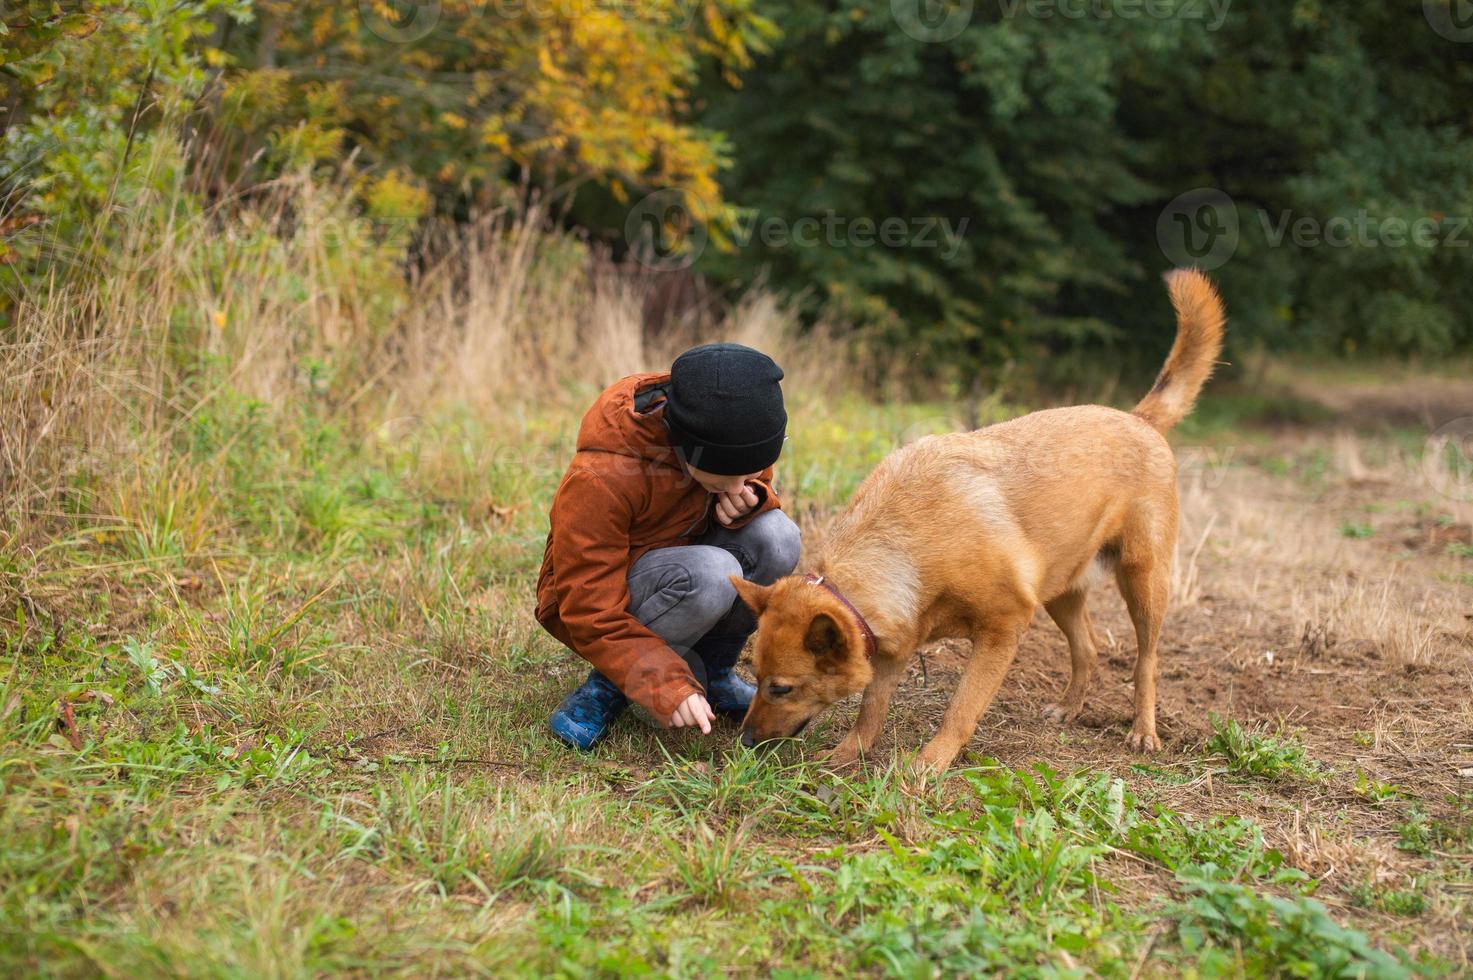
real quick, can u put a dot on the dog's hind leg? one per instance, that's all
(993, 650)
(873, 708)
(1072, 614)
(1145, 586)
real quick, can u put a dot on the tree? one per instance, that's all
(1063, 133)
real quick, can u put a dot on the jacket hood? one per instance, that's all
(613, 425)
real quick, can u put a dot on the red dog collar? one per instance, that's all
(871, 645)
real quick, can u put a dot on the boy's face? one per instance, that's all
(715, 483)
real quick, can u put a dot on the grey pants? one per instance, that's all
(684, 593)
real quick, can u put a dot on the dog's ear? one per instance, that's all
(754, 595)
(825, 640)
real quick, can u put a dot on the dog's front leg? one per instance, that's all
(992, 653)
(872, 710)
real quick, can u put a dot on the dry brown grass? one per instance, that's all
(297, 301)
(1292, 549)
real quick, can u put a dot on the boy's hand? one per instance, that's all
(730, 506)
(693, 711)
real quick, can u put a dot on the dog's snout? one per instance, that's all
(747, 740)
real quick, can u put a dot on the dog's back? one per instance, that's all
(1037, 498)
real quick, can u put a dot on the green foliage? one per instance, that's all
(1006, 879)
(83, 140)
(1062, 139)
(1267, 935)
(1027, 158)
(1374, 790)
(1259, 753)
(1423, 835)
(177, 109)
(1410, 902)
(33, 33)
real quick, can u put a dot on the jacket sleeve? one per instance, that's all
(590, 540)
(763, 484)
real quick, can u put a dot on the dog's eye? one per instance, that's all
(778, 690)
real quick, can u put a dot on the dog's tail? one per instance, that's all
(1199, 328)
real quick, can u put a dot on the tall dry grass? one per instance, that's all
(294, 299)
(1282, 550)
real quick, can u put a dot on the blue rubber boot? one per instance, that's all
(728, 695)
(586, 715)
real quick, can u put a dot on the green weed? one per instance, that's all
(1257, 934)
(1424, 835)
(1259, 753)
(1374, 790)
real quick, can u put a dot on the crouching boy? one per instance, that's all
(669, 494)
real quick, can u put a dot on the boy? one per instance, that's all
(669, 495)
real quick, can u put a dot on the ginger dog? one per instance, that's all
(966, 534)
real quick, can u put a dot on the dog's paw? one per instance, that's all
(931, 762)
(920, 776)
(1061, 714)
(839, 756)
(1139, 741)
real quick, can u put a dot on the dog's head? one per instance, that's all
(809, 654)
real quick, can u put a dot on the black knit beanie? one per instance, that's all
(725, 409)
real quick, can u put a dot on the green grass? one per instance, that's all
(1409, 903)
(287, 719)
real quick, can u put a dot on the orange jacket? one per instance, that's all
(625, 493)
